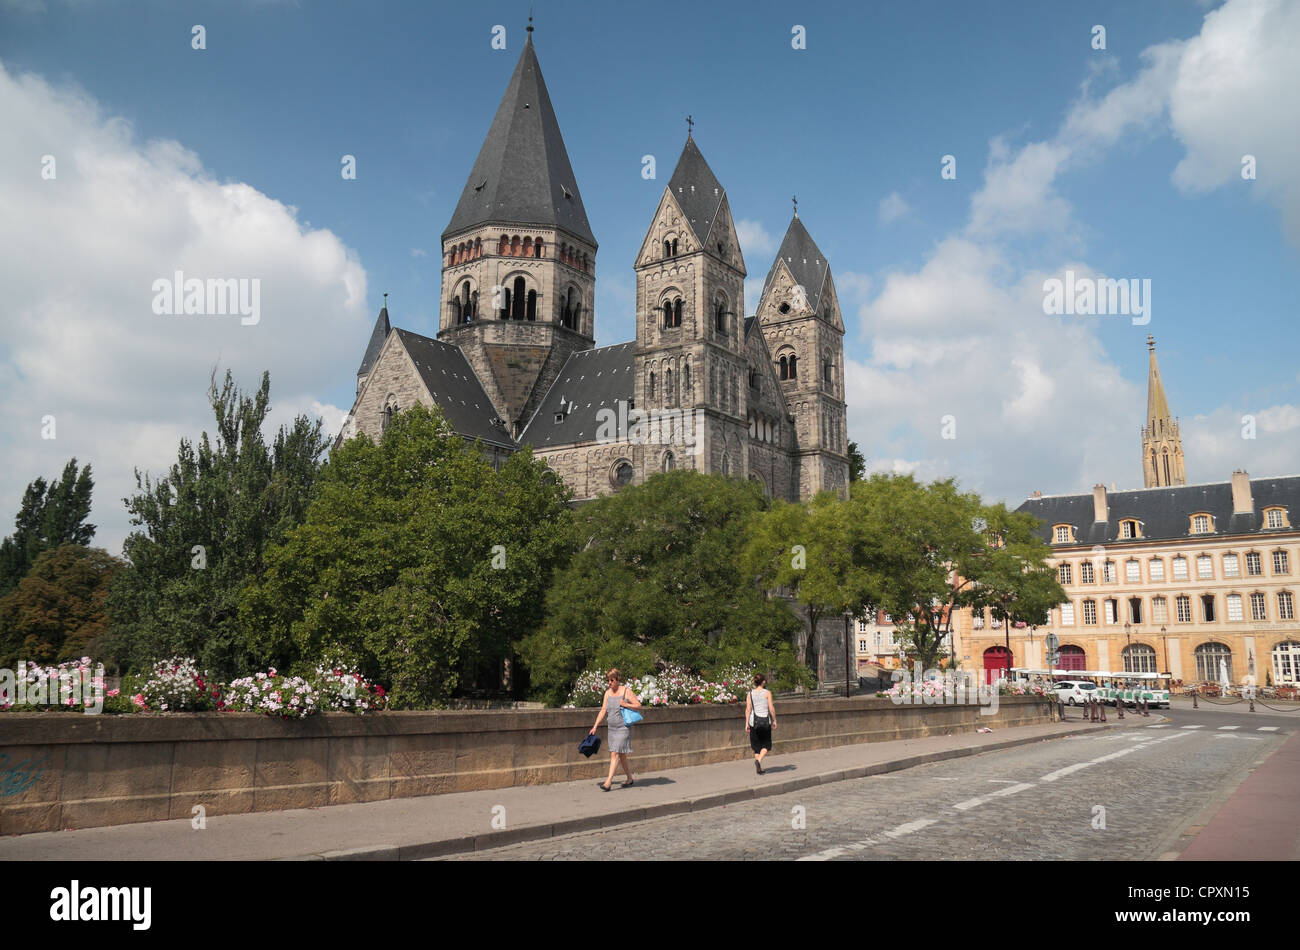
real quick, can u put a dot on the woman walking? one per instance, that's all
(760, 719)
(617, 698)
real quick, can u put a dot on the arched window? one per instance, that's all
(1286, 663)
(1213, 662)
(569, 312)
(674, 247)
(670, 397)
(670, 463)
(457, 315)
(668, 313)
(677, 312)
(528, 247)
(503, 246)
(651, 391)
(785, 368)
(1139, 658)
(514, 246)
(478, 248)
(390, 410)
(504, 312)
(1168, 481)
(622, 473)
(537, 249)
(686, 381)
(668, 249)
(532, 305)
(720, 317)
(518, 298)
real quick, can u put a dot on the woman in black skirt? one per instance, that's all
(760, 720)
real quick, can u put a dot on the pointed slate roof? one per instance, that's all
(804, 259)
(377, 338)
(451, 382)
(590, 380)
(696, 190)
(522, 174)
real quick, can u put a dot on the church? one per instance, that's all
(703, 385)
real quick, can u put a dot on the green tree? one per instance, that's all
(416, 561)
(50, 515)
(57, 611)
(205, 527)
(857, 463)
(1016, 583)
(657, 578)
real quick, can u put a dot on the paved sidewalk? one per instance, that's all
(410, 828)
(1260, 821)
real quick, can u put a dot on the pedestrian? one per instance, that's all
(760, 720)
(617, 698)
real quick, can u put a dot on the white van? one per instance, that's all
(1075, 692)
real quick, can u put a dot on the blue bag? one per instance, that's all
(630, 716)
(590, 745)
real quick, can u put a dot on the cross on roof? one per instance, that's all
(690, 125)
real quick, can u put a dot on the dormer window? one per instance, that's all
(1201, 524)
(1275, 518)
(1062, 534)
(1129, 529)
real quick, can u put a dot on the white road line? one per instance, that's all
(1001, 781)
(1070, 769)
(900, 831)
(1228, 728)
(1163, 725)
(981, 799)
(1267, 729)
(1192, 727)
(910, 827)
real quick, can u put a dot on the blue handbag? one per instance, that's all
(589, 745)
(630, 716)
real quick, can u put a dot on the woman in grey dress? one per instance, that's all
(617, 697)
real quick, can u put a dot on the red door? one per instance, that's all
(1072, 658)
(995, 663)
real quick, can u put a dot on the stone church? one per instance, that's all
(702, 386)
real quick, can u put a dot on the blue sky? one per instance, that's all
(1120, 162)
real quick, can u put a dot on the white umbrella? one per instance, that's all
(1223, 673)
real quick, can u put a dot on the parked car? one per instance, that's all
(1075, 692)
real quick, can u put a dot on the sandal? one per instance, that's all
(627, 784)
(602, 786)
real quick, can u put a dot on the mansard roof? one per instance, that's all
(455, 388)
(804, 259)
(377, 337)
(589, 381)
(522, 174)
(1165, 513)
(696, 190)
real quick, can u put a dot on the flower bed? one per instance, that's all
(672, 686)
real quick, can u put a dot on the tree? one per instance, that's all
(206, 525)
(50, 515)
(656, 580)
(857, 463)
(815, 551)
(416, 561)
(57, 611)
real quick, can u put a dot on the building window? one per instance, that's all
(1200, 524)
(1254, 565)
(1063, 573)
(862, 646)
(1285, 606)
(622, 473)
(1204, 567)
(1132, 571)
(1213, 662)
(1112, 611)
(1128, 529)
(1234, 607)
(1231, 567)
(1139, 658)
(1281, 564)
(978, 622)
(1067, 615)
(1135, 609)
(1086, 574)
(1286, 663)
(1156, 569)
(1273, 518)
(1258, 607)
(1180, 568)
(1108, 574)
(1159, 610)
(670, 463)
(1183, 604)
(1062, 534)
(517, 299)
(1089, 613)
(1207, 607)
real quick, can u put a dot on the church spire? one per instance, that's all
(1162, 446)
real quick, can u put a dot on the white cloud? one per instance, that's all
(81, 341)
(893, 207)
(755, 240)
(418, 252)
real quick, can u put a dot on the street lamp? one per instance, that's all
(1128, 653)
(1165, 640)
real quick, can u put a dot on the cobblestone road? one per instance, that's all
(1036, 802)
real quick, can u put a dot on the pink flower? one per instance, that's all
(138, 699)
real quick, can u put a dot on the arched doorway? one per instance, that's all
(1139, 658)
(996, 663)
(1211, 659)
(1072, 658)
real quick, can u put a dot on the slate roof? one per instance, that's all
(1165, 513)
(749, 323)
(806, 262)
(590, 380)
(696, 190)
(522, 174)
(377, 338)
(454, 387)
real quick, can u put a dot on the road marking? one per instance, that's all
(900, 831)
(1071, 769)
(981, 799)
(1267, 729)
(1228, 728)
(1163, 725)
(1192, 727)
(1001, 781)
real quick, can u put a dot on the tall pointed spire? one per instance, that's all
(522, 175)
(1162, 445)
(804, 259)
(377, 337)
(696, 189)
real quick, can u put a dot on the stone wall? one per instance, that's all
(64, 770)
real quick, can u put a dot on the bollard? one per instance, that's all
(1146, 709)
(1102, 709)
(1119, 706)
(1252, 700)
(1095, 704)
(1195, 704)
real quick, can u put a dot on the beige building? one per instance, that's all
(1197, 581)
(703, 386)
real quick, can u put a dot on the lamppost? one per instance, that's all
(1164, 639)
(1128, 652)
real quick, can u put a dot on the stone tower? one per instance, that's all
(690, 283)
(799, 313)
(1162, 446)
(519, 258)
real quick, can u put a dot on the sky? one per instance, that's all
(1160, 148)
